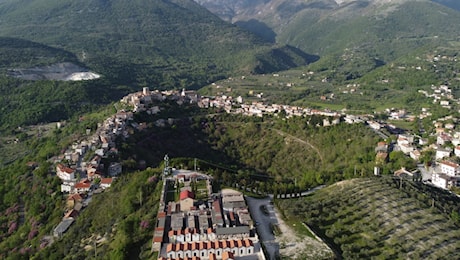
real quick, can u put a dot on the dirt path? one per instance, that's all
(296, 247)
(300, 141)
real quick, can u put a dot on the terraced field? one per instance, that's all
(380, 218)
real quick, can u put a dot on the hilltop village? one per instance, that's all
(85, 170)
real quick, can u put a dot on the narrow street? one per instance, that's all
(263, 222)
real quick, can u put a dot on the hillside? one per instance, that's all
(161, 44)
(380, 218)
(142, 42)
(232, 148)
(384, 29)
(25, 102)
(259, 152)
(356, 82)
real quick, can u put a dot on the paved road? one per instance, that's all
(379, 133)
(263, 221)
(426, 173)
(263, 224)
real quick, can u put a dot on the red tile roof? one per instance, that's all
(106, 180)
(170, 247)
(451, 164)
(186, 194)
(227, 255)
(248, 242)
(209, 245)
(71, 214)
(76, 197)
(65, 169)
(82, 185)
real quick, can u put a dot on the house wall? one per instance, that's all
(449, 169)
(66, 188)
(65, 176)
(438, 181)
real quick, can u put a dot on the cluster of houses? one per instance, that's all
(441, 94)
(236, 105)
(447, 175)
(222, 225)
(80, 176)
(445, 172)
(217, 227)
(144, 101)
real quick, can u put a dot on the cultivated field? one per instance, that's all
(378, 217)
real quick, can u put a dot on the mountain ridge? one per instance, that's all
(325, 27)
(172, 35)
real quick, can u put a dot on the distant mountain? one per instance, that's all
(383, 28)
(454, 4)
(160, 42)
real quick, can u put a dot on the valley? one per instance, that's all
(335, 121)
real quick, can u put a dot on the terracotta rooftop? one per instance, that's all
(106, 180)
(451, 164)
(65, 169)
(82, 185)
(208, 245)
(186, 194)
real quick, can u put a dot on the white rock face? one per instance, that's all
(82, 76)
(65, 71)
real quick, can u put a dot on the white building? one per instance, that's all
(448, 176)
(457, 151)
(65, 173)
(450, 168)
(442, 153)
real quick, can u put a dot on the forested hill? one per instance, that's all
(145, 41)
